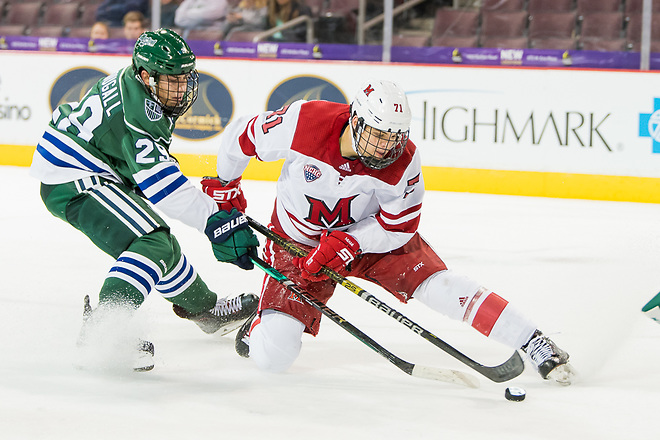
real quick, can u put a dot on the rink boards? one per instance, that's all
(570, 133)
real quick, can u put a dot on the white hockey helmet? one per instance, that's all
(383, 106)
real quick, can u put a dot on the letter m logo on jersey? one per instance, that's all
(321, 215)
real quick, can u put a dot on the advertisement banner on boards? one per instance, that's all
(566, 121)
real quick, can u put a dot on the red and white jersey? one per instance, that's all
(319, 189)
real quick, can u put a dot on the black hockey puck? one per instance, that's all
(515, 394)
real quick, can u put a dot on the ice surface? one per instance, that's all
(581, 269)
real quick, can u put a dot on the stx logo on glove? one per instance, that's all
(225, 230)
(346, 255)
(336, 250)
(224, 195)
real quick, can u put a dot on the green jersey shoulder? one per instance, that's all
(119, 133)
(118, 123)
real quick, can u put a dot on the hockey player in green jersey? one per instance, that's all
(104, 161)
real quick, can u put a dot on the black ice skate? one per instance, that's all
(227, 315)
(145, 359)
(550, 361)
(242, 343)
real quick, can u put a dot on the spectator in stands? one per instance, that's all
(99, 31)
(113, 11)
(167, 11)
(134, 25)
(195, 14)
(247, 16)
(281, 11)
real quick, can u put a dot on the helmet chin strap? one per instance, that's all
(152, 89)
(354, 137)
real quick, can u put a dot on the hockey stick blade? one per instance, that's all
(652, 308)
(508, 370)
(445, 375)
(424, 372)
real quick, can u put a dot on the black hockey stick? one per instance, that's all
(508, 370)
(441, 374)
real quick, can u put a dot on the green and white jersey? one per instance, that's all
(119, 133)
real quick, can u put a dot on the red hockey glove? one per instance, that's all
(336, 250)
(227, 195)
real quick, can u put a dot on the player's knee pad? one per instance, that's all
(159, 246)
(460, 298)
(142, 266)
(276, 341)
(448, 293)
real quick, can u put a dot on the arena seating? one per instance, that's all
(606, 25)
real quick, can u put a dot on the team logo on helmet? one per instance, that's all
(382, 114)
(146, 40)
(153, 110)
(311, 172)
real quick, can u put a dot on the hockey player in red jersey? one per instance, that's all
(350, 192)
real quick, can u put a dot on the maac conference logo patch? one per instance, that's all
(153, 110)
(311, 172)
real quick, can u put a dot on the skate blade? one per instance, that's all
(563, 374)
(653, 313)
(140, 365)
(222, 330)
(145, 368)
(230, 327)
(145, 362)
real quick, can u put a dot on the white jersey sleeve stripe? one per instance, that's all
(406, 213)
(60, 151)
(408, 227)
(165, 186)
(398, 221)
(159, 181)
(406, 221)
